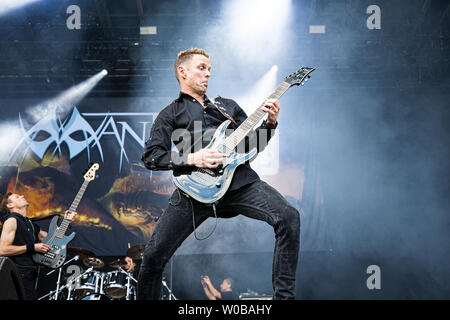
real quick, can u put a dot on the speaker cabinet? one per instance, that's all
(11, 287)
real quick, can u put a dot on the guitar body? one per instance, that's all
(56, 256)
(209, 185)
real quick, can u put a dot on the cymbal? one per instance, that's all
(94, 262)
(118, 263)
(83, 253)
(136, 251)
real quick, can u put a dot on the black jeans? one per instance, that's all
(257, 200)
(28, 276)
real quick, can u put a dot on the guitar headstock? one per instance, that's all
(299, 77)
(90, 173)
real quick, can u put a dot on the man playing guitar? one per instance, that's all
(20, 238)
(247, 194)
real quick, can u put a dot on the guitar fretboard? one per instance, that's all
(236, 137)
(65, 224)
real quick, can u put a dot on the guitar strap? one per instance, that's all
(222, 110)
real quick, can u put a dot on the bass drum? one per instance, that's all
(116, 284)
(95, 296)
(89, 283)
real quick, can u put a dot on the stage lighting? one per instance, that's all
(256, 26)
(10, 134)
(65, 100)
(260, 90)
(267, 162)
(9, 5)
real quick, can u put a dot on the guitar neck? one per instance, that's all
(65, 224)
(239, 134)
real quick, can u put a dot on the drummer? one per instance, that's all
(132, 266)
(133, 259)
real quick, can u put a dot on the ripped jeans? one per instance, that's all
(257, 200)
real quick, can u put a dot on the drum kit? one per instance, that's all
(94, 284)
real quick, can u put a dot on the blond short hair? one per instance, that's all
(186, 55)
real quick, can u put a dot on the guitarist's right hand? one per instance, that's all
(205, 158)
(41, 247)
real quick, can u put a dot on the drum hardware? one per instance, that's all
(118, 281)
(58, 283)
(74, 280)
(95, 296)
(94, 284)
(164, 283)
(118, 263)
(90, 282)
(100, 286)
(116, 284)
(129, 278)
(94, 262)
(171, 295)
(83, 253)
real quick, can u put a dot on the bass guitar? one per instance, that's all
(209, 185)
(56, 238)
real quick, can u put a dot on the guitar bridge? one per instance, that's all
(50, 255)
(208, 171)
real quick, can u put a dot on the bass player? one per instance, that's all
(20, 238)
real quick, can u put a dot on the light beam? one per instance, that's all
(66, 99)
(10, 5)
(257, 29)
(267, 162)
(10, 131)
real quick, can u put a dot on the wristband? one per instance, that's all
(30, 248)
(270, 124)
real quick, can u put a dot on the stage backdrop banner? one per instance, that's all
(120, 208)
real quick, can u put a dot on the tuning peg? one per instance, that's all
(302, 83)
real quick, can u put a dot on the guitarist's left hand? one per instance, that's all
(272, 107)
(70, 216)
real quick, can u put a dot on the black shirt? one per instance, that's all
(195, 124)
(229, 295)
(26, 232)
